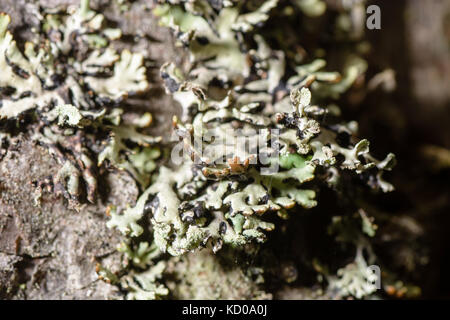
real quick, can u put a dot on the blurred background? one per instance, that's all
(413, 122)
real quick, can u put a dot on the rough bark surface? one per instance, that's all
(49, 251)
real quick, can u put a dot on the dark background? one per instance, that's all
(414, 40)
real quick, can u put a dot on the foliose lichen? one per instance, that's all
(72, 82)
(260, 136)
(220, 190)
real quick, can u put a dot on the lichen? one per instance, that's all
(252, 138)
(259, 139)
(71, 79)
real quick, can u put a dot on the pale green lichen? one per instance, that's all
(236, 85)
(184, 201)
(355, 279)
(143, 285)
(242, 81)
(69, 76)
